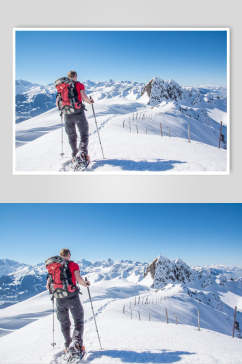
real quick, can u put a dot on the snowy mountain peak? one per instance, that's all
(23, 281)
(8, 266)
(160, 90)
(167, 271)
(22, 86)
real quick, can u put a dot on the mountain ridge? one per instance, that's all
(29, 280)
(34, 99)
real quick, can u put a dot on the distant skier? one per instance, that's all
(63, 274)
(70, 97)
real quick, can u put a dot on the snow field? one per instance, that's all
(123, 339)
(130, 132)
(124, 152)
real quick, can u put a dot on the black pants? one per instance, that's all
(79, 120)
(63, 305)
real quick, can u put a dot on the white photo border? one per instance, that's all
(141, 173)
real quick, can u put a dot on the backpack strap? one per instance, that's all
(76, 103)
(67, 274)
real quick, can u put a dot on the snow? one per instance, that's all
(131, 315)
(167, 271)
(22, 86)
(231, 299)
(8, 266)
(218, 115)
(41, 147)
(146, 340)
(210, 286)
(26, 281)
(130, 131)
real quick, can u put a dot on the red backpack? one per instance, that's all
(59, 274)
(67, 96)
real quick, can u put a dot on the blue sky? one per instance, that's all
(197, 233)
(188, 57)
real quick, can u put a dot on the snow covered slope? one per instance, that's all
(8, 266)
(21, 284)
(136, 135)
(33, 99)
(132, 325)
(215, 291)
(21, 86)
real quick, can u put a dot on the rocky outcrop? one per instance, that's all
(147, 88)
(165, 271)
(151, 269)
(160, 90)
(168, 271)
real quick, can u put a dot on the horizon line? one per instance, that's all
(135, 261)
(140, 82)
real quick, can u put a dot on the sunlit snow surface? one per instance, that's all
(130, 132)
(142, 336)
(131, 315)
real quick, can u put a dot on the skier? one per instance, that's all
(61, 283)
(70, 103)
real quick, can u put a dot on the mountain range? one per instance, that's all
(33, 99)
(21, 281)
(204, 284)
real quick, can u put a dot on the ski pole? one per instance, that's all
(90, 299)
(97, 128)
(53, 323)
(62, 135)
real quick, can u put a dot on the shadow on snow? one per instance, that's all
(29, 135)
(121, 292)
(121, 109)
(16, 322)
(127, 356)
(131, 165)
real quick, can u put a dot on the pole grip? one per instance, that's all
(88, 288)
